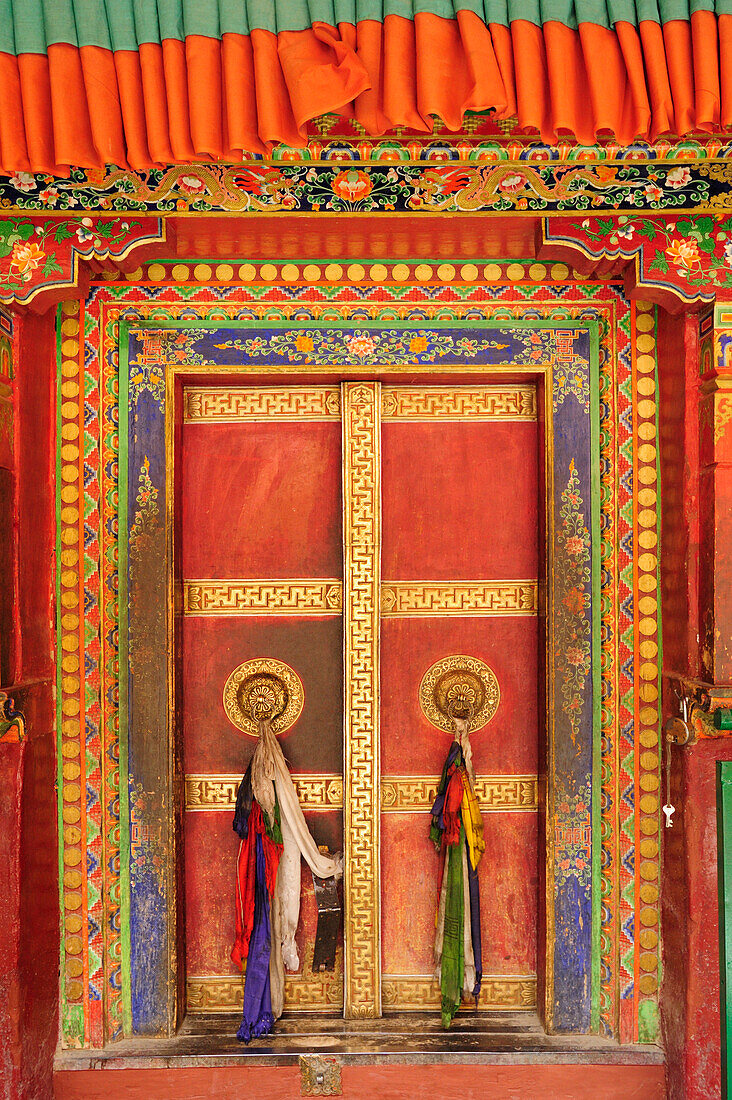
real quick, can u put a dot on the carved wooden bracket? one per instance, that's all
(676, 262)
(40, 256)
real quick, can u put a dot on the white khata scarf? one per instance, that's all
(270, 774)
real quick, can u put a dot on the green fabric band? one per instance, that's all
(31, 26)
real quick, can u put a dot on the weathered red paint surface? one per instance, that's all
(679, 560)
(695, 560)
(508, 875)
(691, 944)
(268, 495)
(39, 946)
(11, 781)
(258, 500)
(508, 744)
(214, 646)
(459, 501)
(35, 450)
(28, 841)
(546, 1082)
(678, 369)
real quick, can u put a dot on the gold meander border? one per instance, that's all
(218, 792)
(361, 404)
(399, 793)
(416, 793)
(452, 403)
(212, 993)
(400, 599)
(258, 597)
(406, 992)
(309, 991)
(259, 404)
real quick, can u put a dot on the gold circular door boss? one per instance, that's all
(459, 687)
(263, 688)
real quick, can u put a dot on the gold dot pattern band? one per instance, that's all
(648, 683)
(74, 963)
(292, 273)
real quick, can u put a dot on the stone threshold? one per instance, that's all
(488, 1038)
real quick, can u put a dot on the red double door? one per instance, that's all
(260, 559)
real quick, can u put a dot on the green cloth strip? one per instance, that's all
(31, 26)
(453, 942)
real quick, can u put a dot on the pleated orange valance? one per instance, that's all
(140, 83)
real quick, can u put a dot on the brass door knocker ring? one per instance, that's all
(261, 689)
(459, 687)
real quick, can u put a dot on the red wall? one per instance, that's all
(28, 830)
(690, 991)
(691, 934)
(387, 1082)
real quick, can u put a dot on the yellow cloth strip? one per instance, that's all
(472, 821)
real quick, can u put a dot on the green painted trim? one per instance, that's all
(596, 672)
(649, 1021)
(123, 643)
(426, 323)
(724, 868)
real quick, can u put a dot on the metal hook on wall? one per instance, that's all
(676, 729)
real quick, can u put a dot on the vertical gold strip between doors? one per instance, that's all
(361, 412)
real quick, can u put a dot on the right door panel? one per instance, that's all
(460, 561)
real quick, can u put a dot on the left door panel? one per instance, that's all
(260, 560)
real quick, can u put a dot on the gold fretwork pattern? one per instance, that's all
(416, 793)
(229, 404)
(218, 792)
(306, 990)
(399, 793)
(458, 403)
(251, 597)
(400, 599)
(361, 404)
(410, 993)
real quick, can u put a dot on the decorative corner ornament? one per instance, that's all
(263, 688)
(39, 256)
(459, 687)
(320, 1076)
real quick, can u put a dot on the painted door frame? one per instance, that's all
(570, 899)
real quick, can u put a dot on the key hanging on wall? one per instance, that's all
(676, 732)
(668, 809)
